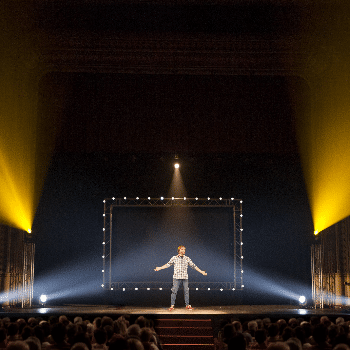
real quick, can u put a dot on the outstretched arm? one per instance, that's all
(200, 271)
(161, 268)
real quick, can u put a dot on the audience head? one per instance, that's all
(134, 344)
(294, 344)
(260, 336)
(34, 343)
(273, 330)
(278, 346)
(79, 346)
(320, 333)
(58, 333)
(100, 336)
(228, 332)
(77, 319)
(18, 345)
(237, 342)
(134, 331)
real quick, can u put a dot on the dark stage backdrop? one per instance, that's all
(144, 238)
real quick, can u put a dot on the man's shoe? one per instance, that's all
(171, 308)
(189, 307)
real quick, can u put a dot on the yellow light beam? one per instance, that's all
(324, 141)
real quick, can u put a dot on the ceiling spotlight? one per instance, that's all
(29, 230)
(220, 198)
(177, 165)
(113, 198)
(149, 198)
(172, 198)
(161, 198)
(184, 198)
(125, 198)
(208, 198)
(196, 198)
(316, 233)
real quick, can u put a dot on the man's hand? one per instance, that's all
(203, 273)
(156, 269)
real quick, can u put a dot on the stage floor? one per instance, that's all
(241, 311)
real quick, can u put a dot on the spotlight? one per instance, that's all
(29, 230)
(161, 198)
(177, 165)
(43, 299)
(302, 300)
(148, 288)
(123, 289)
(316, 233)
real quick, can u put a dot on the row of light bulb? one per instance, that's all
(124, 289)
(173, 198)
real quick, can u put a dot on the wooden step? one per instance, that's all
(168, 322)
(186, 339)
(188, 346)
(194, 331)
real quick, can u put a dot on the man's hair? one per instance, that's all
(179, 247)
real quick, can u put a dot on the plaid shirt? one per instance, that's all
(180, 266)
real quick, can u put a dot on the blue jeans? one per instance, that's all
(175, 288)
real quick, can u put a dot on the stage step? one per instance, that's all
(185, 334)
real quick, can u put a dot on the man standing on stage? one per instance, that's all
(180, 263)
